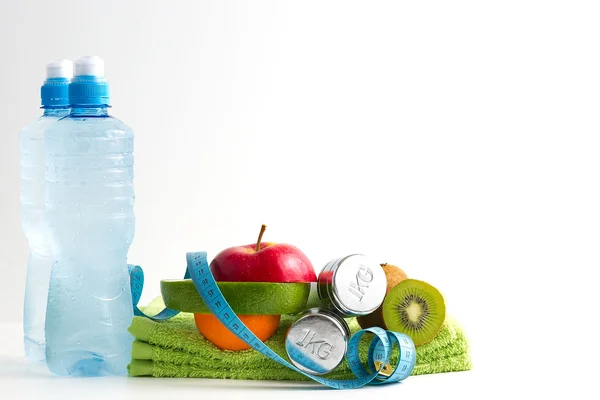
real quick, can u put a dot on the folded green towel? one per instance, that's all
(175, 348)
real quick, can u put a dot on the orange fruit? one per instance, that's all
(263, 326)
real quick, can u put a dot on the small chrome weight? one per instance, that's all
(352, 286)
(316, 342)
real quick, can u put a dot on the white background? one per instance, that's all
(459, 140)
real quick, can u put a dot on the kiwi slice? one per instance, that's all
(416, 309)
(245, 298)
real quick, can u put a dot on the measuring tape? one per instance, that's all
(136, 282)
(380, 348)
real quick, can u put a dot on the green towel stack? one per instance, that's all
(175, 348)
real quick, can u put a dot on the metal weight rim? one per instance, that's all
(337, 321)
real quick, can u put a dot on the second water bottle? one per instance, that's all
(55, 102)
(89, 200)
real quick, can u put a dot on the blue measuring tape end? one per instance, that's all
(136, 281)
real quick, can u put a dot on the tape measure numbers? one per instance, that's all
(380, 348)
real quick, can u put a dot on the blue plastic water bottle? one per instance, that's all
(55, 102)
(89, 200)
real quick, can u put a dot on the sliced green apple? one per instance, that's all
(245, 298)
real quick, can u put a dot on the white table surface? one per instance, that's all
(18, 380)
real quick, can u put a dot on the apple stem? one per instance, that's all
(263, 228)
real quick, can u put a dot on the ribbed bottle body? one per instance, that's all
(89, 200)
(35, 228)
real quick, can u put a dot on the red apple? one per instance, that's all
(262, 262)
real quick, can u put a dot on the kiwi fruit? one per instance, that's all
(416, 309)
(394, 276)
(245, 298)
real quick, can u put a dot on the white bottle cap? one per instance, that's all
(89, 65)
(59, 69)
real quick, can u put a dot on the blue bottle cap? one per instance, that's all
(89, 88)
(55, 90)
